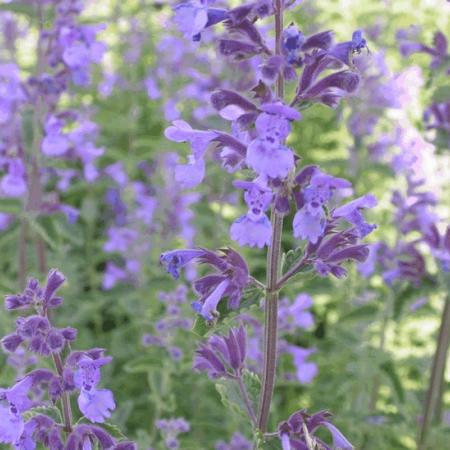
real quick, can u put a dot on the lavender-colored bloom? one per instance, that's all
(83, 436)
(253, 229)
(266, 154)
(230, 280)
(351, 212)
(222, 356)
(96, 404)
(119, 239)
(176, 259)
(170, 429)
(13, 402)
(13, 183)
(310, 220)
(292, 433)
(297, 314)
(113, 274)
(35, 296)
(193, 16)
(344, 51)
(305, 371)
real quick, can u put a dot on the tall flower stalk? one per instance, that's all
(273, 268)
(261, 122)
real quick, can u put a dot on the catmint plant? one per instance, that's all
(329, 230)
(28, 419)
(37, 131)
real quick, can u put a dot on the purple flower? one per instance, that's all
(35, 296)
(55, 142)
(193, 16)
(170, 429)
(310, 220)
(345, 50)
(96, 404)
(351, 212)
(83, 436)
(191, 174)
(13, 183)
(176, 259)
(230, 280)
(254, 228)
(305, 371)
(296, 315)
(119, 239)
(222, 356)
(266, 154)
(13, 402)
(292, 433)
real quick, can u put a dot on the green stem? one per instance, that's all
(387, 313)
(65, 399)
(433, 399)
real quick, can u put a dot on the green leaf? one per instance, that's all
(368, 312)
(42, 232)
(230, 393)
(291, 258)
(51, 411)
(389, 369)
(143, 363)
(441, 94)
(113, 430)
(10, 205)
(253, 384)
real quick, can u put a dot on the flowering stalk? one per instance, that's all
(273, 269)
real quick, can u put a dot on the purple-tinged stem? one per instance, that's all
(245, 397)
(290, 273)
(273, 271)
(437, 376)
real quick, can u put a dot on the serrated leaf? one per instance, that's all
(231, 397)
(291, 258)
(253, 384)
(50, 411)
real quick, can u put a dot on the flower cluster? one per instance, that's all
(223, 356)
(170, 429)
(65, 54)
(76, 372)
(229, 280)
(298, 432)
